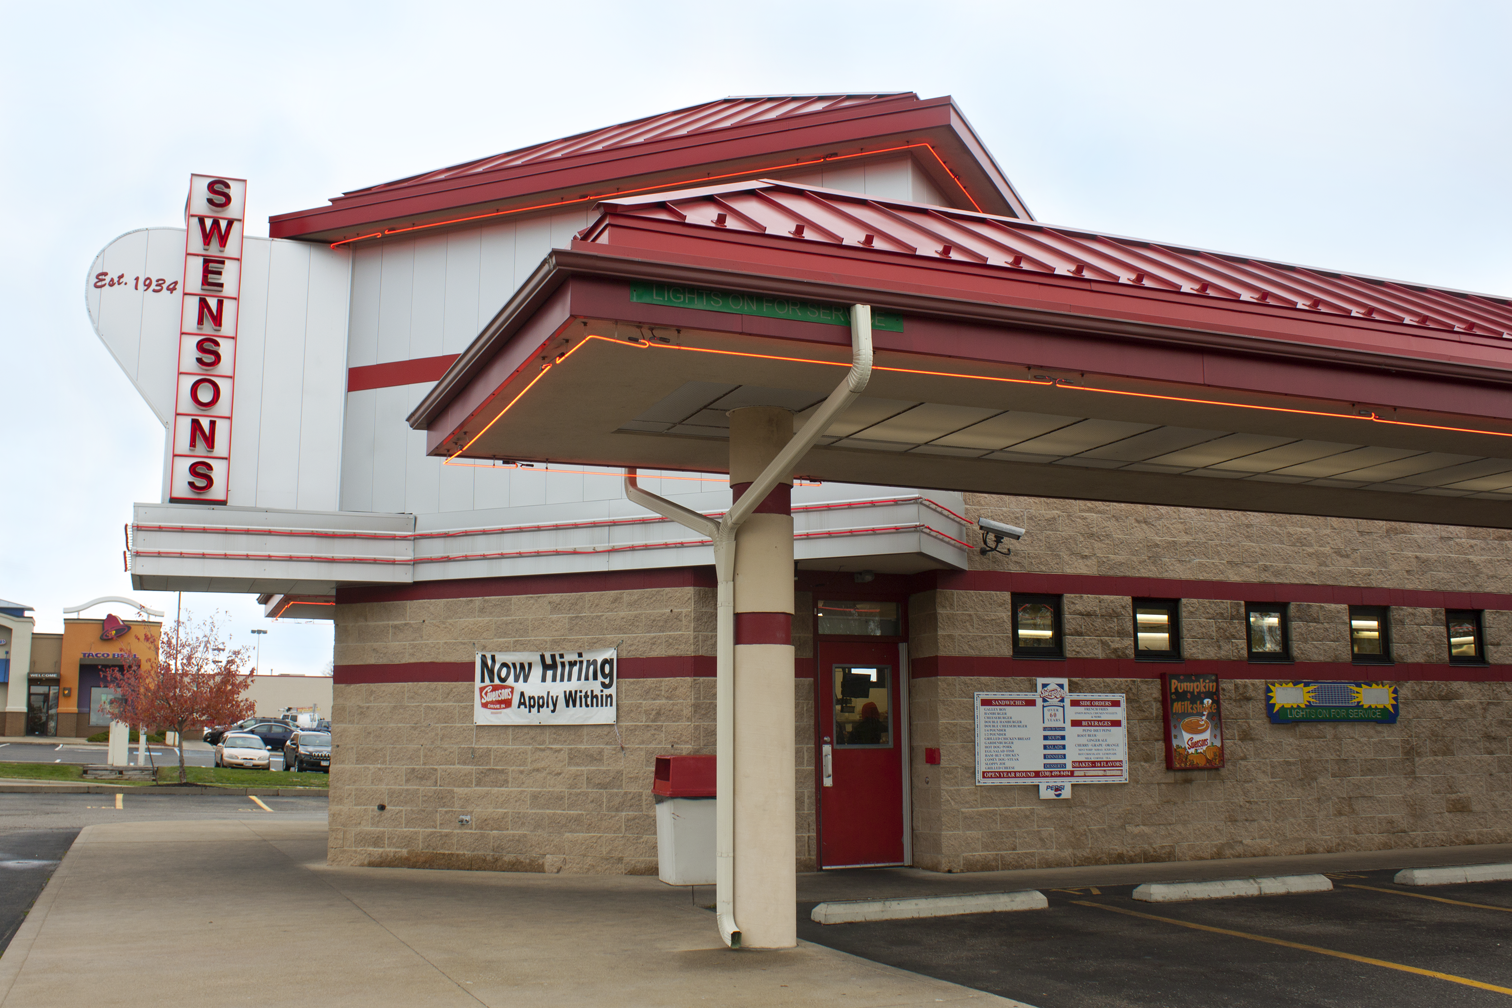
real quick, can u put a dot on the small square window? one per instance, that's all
(1157, 629)
(1037, 626)
(1467, 644)
(1370, 635)
(1269, 631)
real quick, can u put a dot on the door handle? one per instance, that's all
(829, 765)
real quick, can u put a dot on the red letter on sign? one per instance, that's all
(213, 314)
(212, 397)
(204, 476)
(215, 230)
(198, 432)
(210, 274)
(209, 348)
(220, 193)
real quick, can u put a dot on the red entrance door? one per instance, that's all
(860, 755)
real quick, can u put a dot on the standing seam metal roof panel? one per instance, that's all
(808, 214)
(708, 117)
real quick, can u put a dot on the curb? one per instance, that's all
(153, 789)
(1457, 873)
(853, 911)
(1172, 892)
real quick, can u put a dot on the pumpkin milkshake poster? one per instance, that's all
(1193, 720)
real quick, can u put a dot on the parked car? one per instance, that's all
(308, 749)
(241, 749)
(274, 733)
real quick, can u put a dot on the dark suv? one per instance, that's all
(308, 749)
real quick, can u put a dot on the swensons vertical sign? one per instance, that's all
(207, 340)
(530, 688)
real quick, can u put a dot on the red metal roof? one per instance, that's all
(715, 115)
(729, 138)
(798, 216)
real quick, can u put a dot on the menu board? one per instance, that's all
(1051, 735)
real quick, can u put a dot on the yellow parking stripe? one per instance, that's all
(118, 799)
(260, 803)
(1305, 948)
(1436, 899)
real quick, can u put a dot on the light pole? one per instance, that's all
(257, 662)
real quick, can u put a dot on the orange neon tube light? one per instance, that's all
(701, 181)
(1371, 416)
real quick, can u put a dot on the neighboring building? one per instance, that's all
(63, 690)
(1375, 551)
(272, 694)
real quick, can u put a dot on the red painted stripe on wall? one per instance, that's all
(956, 666)
(763, 628)
(404, 372)
(1233, 591)
(671, 667)
(531, 584)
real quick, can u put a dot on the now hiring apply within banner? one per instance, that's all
(555, 688)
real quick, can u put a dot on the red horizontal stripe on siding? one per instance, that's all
(1234, 591)
(531, 584)
(763, 628)
(953, 666)
(672, 667)
(404, 372)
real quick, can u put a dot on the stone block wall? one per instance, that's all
(1438, 777)
(572, 798)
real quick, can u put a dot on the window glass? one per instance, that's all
(1157, 628)
(863, 715)
(1464, 627)
(1268, 636)
(1036, 626)
(863, 618)
(1370, 633)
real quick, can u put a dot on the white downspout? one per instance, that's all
(722, 533)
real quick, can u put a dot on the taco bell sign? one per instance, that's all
(532, 688)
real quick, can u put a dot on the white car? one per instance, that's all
(238, 749)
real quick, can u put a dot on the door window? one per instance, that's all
(863, 712)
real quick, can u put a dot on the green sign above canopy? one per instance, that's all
(767, 305)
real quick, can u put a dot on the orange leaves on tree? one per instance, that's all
(195, 678)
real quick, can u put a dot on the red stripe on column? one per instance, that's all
(779, 501)
(763, 628)
(404, 372)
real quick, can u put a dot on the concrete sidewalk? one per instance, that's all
(191, 914)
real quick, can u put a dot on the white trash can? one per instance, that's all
(685, 822)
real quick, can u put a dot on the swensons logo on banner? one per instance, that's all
(529, 688)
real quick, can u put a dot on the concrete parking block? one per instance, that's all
(1453, 874)
(1175, 892)
(853, 911)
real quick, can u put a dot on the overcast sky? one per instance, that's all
(1364, 136)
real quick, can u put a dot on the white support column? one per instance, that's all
(765, 789)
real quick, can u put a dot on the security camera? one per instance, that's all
(993, 534)
(999, 529)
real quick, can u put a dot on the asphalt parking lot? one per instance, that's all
(1368, 943)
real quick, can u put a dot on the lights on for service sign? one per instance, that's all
(532, 688)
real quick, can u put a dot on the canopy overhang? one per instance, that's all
(1040, 383)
